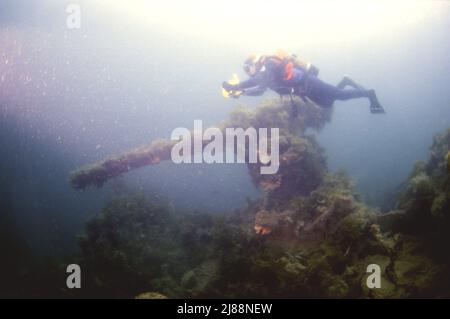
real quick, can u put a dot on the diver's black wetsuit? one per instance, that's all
(325, 94)
(271, 76)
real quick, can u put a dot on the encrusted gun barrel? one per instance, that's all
(271, 114)
(100, 172)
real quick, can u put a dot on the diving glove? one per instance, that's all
(228, 87)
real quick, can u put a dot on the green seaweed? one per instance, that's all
(319, 241)
(270, 114)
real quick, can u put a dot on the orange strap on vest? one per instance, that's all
(288, 71)
(288, 66)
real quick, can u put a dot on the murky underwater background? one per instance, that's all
(72, 97)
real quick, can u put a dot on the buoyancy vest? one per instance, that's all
(286, 63)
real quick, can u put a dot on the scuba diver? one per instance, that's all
(289, 75)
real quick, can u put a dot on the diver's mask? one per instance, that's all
(250, 69)
(251, 65)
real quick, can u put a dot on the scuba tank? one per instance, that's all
(288, 62)
(303, 64)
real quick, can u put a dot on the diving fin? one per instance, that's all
(377, 110)
(375, 106)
